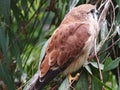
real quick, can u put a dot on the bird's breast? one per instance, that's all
(79, 61)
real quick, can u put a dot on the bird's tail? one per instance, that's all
(34, 83)
(41, 82)
(37, 83)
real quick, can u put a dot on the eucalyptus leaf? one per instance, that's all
(112, 65)
(118, 2)
(87, 67)
(94, 64)
(108, 60)
(97, 84)
(118, 30)
(65, 85)
(104, 30)
(82, 83)
(112, 81)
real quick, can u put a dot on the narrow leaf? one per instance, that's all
(3, 44)
(6, 77)
(82, 83)
(97, 84)
(5, 9)
(108, 60)
(94, 64)
(112, 64)
(87, 67)
(65, 85)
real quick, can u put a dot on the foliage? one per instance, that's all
(25, 26)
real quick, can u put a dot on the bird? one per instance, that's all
(70, 45)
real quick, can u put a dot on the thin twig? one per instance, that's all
(100, 21)
(98, 63)
(93, 55)
(104, 12)
(89, 82)
(110, 46)
(102, 4)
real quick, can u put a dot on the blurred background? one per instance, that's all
(25, 26)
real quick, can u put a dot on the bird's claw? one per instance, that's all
(72, 79)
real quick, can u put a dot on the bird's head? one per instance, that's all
(94, 14)
(90, 9)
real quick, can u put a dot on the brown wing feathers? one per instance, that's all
(67, 43)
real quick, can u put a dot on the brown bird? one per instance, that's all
(70, 45)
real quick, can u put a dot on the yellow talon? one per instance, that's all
(72, 79)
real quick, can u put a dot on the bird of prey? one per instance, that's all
(70, 44)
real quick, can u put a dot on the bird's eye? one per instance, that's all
(92, 11)
(97, 12)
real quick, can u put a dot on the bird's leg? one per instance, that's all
(72, 79)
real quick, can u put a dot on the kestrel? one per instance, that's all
(71, 43)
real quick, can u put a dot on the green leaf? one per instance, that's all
(97, 84)
(94, 64)
(65, 85)
(6, 77)
(17, 12)
(112, 64)
(4, 44)
(87, 67)
(118, 15)
(118, 2)
(82, 83)
(108, 60)
(16, 53)
(118, 30)
(111, 81)
(103, 30)
(5, 9)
